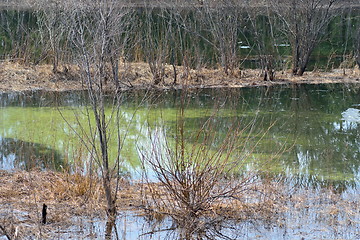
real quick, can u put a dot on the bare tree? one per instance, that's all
(357, 46)
(222, 20)
(187, 45)
(156, 36)
(52, 31)
(263, 34)
(304, 22)
(98, 34)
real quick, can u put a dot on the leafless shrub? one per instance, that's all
(223, 21)
(186, 45)
(198, 174)
(264, 34)
(52, 31)
(156, 29)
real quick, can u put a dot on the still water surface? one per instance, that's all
(309, 133)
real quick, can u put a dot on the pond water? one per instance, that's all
(316, 126)
(306, 135)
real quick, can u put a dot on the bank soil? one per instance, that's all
(19, 77)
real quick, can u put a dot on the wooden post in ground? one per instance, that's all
(44, 208)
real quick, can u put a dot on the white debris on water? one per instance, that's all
(351, 115)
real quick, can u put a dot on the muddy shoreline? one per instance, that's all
(19, 77)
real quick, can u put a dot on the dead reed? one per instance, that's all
(23, 193)
(18, 77)
(67, 196)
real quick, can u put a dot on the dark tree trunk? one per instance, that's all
(44, 208)
(295, 66)
(357, 49)
(301, 71)
(304, 62)
(55, 64)
(115, 71)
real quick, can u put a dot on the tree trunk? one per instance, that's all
(295, 58)
(108, 230)
(304, 62)
(357, 50)
(111, 208)
(115, 71)
(99, 111)
(301, 71)
(55, 63)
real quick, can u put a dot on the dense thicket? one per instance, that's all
(269, 35)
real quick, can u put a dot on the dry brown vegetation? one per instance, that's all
(261, 200)
(15, 76)
(83, 193)
(67, 196)
(71, 197)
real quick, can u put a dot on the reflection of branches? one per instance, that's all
(157, 231)
(5, 232)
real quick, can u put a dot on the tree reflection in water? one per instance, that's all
(17, 154)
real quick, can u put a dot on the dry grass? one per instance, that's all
(19, 77)
(15, 76)
(55, 188)
(71, 196)
(67, 196)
